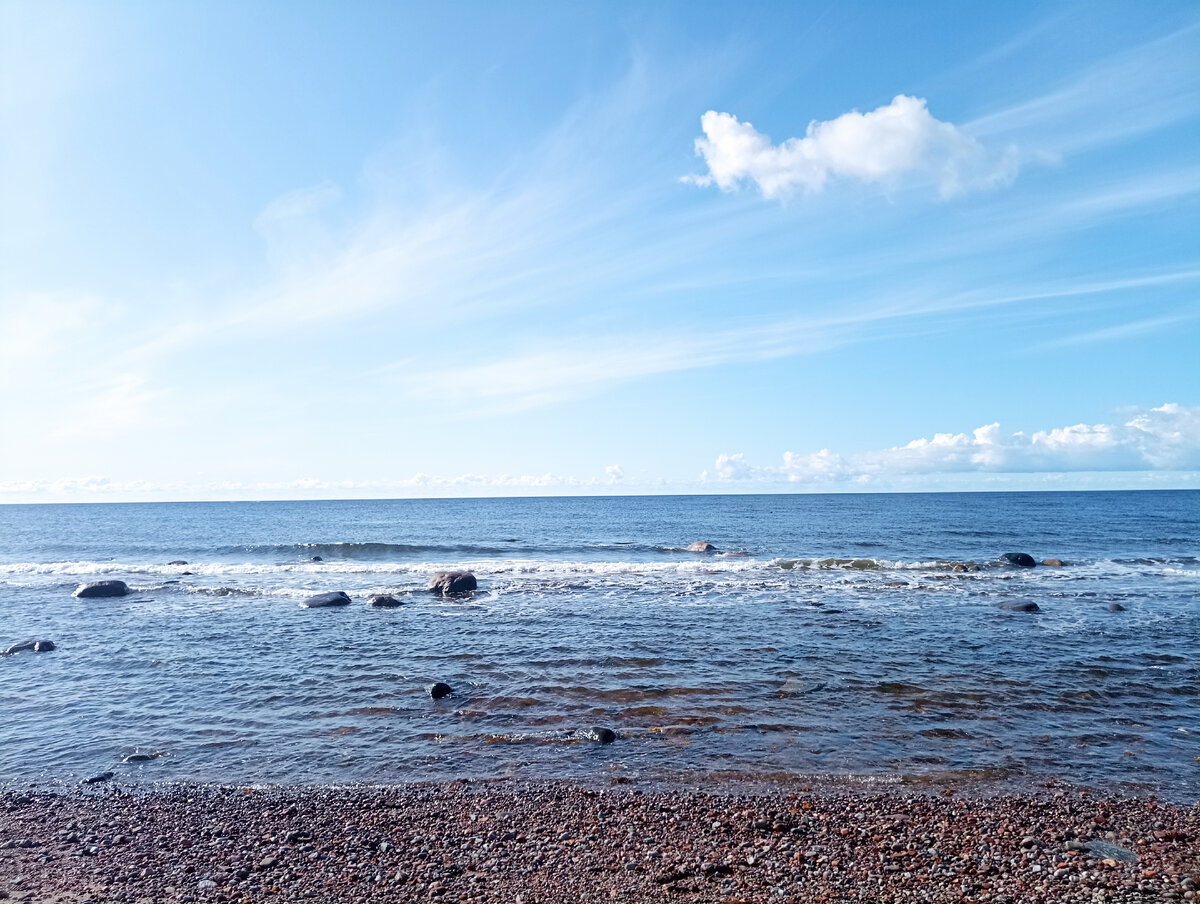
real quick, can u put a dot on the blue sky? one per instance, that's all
(281, 250)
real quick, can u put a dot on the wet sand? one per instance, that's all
(559, 842)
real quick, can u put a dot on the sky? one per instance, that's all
(255, 250)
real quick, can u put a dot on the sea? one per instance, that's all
(869, 639)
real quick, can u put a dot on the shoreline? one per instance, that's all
(561, 840)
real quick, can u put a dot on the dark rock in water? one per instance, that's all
(439, 690)
(964, 567)
(701, 546)
(448, 582)
(597, 734)
(100, 589)
(1115, 607)
(97, 779)
(138, 758)
(177, 562)
(316, 559)
(1020, 559)
(325, 600)
(1020, 607)
(30, 646)
(383, 601)
(187, 572)
(1053, 563)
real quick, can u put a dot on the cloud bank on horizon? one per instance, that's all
(1166, 438)
(1163, 440)
(898, 141)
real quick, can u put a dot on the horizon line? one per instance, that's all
(602, 496)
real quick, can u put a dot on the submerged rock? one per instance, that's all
(1021, 607)
(1053, 563)
(794, 687)
(98, 778)
(177, 562)
(139, 758)
(450, 582)
(383, 601)
(316, 559)
(1115, 607)
(325, 600)
(1020, 559)
(598, 734)
(701, 546)
(101, 589)
(440, 689)
(30, 646)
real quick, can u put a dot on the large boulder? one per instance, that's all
(325, 600)
(451, 582)
(30, 646)
(1020, 559)
(701, 546)
(101, 589)
(383, 601)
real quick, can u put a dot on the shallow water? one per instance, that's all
(837, 640)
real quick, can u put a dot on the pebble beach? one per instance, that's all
(559, 842)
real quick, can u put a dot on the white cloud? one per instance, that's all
(820, 467)
(615, 474)
(732, 467)
(1166, 438)
(884, 146)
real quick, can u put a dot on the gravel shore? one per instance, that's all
(552, 842)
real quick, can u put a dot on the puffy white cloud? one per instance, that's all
(615, 474)
(732, 467)
(818, 467)
(893, 142)
(1166, 438)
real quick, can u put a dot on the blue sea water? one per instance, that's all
(829, 636)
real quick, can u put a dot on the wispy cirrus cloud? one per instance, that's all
(1131, 93)
(566, 369)
(900, 140)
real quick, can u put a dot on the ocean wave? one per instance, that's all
(369, 551)
(691, 567)
(380, 551)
